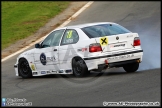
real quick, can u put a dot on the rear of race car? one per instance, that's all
(119, 50)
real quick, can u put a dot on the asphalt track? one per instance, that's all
(114, 85)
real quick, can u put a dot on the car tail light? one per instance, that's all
(136, 41)
(95, 47)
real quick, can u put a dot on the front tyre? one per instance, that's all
(79, 67)
(131, 67)
(24, 69)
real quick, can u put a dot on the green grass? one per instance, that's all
(22, 19)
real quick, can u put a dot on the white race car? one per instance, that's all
(80, 49)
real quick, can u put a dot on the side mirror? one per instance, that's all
(37, 45)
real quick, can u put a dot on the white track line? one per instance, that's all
(62, 25)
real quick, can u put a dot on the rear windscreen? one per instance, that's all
(104, 30)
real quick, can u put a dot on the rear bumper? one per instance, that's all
(119, 64)
(132, 52)
(116, 64)
(114, 60)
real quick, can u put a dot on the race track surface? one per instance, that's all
(115, 84)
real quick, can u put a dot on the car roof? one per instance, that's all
(88, 24)
(83, 25)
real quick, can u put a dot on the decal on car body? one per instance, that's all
(69, 34)
(103, 41)
(43, 58)
(33, 67)
(43, 72)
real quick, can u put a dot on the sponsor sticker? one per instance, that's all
(69, 40)
(48, 72)
(119, 45)
(51, 58)
(35, 73)
(84, 49)
(54, 71)
(120, 57)
(79, 49)
(130, 36)
(33, 67)
(61, 71)
(69, 34)
(68, 71)
(103, 41)
(43, 58)
(43, 72)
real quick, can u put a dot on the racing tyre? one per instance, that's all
(131, 67)
(79, 68)
(24, 69)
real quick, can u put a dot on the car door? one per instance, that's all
(68, 48)
(46, 57)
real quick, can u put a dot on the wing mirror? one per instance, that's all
(37, 45)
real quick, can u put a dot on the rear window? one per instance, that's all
(104, 30)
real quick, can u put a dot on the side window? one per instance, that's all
(52, 39)
(70, 37)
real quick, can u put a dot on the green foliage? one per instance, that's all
(22, 19)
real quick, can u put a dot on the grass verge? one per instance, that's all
(22, 19)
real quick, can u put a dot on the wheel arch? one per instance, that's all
(23, 58)
(29, 59)
(84, 69)
(77, 57)
(26, 60)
